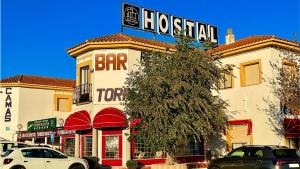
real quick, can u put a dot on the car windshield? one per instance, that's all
(8, 152)
(286, 153)
(6, 146)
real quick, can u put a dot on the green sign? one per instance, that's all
(44, 124)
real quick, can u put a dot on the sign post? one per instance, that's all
(52, 138)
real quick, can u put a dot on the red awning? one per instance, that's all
(110, 117)
(242, 122)
(292, 128)
(80, 120)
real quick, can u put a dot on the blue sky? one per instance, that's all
(36, 33)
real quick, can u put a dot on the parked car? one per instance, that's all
(38, 158)
(259, 157)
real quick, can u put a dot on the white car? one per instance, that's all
(39, 158)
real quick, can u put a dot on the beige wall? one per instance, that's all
(248, 102)
(106, 79)
(30, 104)
(8, 129)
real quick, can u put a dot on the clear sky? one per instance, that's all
(36, 33)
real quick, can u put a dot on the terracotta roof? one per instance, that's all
(124, 39)
(248, 41)
(39, 80)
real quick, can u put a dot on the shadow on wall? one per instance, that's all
(275, 116)
(216, 147)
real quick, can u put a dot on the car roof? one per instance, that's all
(266, 146)
(6, 141)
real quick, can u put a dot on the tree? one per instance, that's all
(172, 93)
(287, 82)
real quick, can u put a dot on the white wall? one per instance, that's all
(248, 102)
(8, 129)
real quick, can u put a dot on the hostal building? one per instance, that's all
(102, 65)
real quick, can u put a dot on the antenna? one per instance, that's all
(122, 25)
(295, 37)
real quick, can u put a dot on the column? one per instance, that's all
(126, 146)
(99, 148)
(77, 146)
(95, 143)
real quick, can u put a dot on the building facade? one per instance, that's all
(92, 121)
(253, 107)
(102, 67)
(32, 107)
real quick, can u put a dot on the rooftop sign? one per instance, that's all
(166, 24)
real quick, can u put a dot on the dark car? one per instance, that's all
(259, 157)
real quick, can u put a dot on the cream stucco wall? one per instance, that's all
(29, 104)
(249, 102)
(8, 129)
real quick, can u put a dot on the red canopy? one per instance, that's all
(109, 117)
(292, 128)
(80, 120)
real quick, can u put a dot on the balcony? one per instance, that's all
(82, 93)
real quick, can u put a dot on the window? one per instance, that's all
(237, 136)
(238, 153)
(84, 80)
(286, 153)
(289, 68)
(69, 146)
(191, 148)
(143, 152)
(32, 153)
(63, 102)
(251, 73)
(255, 153)
(8, 152)
(53, 154)
(112, 147)
(226, 80)
(87, 143)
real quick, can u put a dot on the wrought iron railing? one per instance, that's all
(82, 93)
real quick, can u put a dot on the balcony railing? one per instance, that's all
(82, 93)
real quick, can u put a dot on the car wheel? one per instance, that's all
(77, 166)
(18, 167)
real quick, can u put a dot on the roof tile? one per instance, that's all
(126, 38)
(247, 41)
(40, 80)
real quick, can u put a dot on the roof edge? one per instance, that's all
(285, 44)
(88, 46)
(36, 86)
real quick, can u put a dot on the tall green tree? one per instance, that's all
(172, 93)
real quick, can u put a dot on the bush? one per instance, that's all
(131, 164)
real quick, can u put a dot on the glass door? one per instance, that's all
(112, 150)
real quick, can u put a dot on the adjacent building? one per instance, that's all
(253, 107)
(33, 106)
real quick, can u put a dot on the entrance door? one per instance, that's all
(112, 148)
